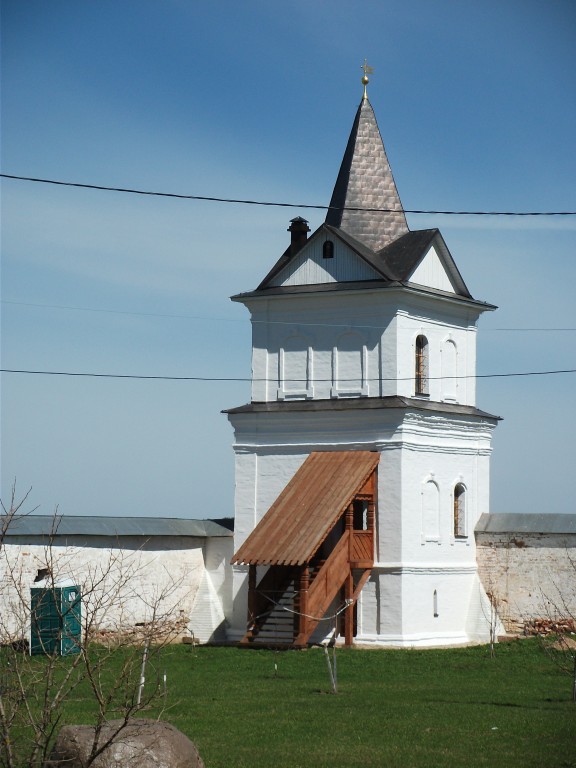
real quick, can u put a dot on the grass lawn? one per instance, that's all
(454, 708)
(401, 708)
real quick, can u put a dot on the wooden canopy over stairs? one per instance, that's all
(317, 540)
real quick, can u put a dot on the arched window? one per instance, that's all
(435, 603)
(421, 366)
(459, 510)
(328, 250)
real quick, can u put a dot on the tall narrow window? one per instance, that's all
(421, 369)
(459, 511)
(360, 517)
(328, 250)
(435, 603)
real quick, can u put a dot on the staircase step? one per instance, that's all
(276, 627)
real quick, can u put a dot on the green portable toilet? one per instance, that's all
(55, 614)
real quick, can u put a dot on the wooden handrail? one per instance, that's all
(325, 587)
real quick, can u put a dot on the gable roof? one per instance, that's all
(365, 181)
(308, 508)
(393, 265)
(289, 256)
(403, 256)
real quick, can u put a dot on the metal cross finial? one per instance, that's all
(367, 71)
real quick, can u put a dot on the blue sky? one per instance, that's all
(476, 103)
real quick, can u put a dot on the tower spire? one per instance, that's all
(365, 202)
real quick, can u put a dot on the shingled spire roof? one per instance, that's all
(365, 180)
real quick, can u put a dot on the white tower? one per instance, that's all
(364, 345)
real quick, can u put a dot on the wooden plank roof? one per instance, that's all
(308, 508)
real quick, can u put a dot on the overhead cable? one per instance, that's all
(205, 198)
(266, 380)
(204, 318)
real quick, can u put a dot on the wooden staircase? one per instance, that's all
(335, 577)
(271, 612)
(289, 602)
(276, 626)
(303, 583)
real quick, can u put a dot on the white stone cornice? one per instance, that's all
(425, 569)
(452, 448)
(304, 447)
(409, 640)
(368, 429)
(356, 445)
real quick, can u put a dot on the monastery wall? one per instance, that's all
(184, 581)
(531, 575)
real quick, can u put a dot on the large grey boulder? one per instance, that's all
(141, 743)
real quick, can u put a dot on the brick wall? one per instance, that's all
(530, 575)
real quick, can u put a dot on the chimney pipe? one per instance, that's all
(298, 234)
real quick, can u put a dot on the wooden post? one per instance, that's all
(349, 583)
(251, 596)
(349, 611)
(303, 601)
(350, 528)
(372, 525)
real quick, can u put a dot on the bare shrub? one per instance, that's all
(113, 662)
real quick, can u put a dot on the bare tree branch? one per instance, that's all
(118, 619)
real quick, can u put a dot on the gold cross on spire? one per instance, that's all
(367, 71)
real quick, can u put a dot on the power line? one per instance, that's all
(266, 380)
(205, 198)
(238, 320)
(116, 311)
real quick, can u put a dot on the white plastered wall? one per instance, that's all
(427, 580)
(124, 583)
(449, 330)
(380, 326)
(396, 605)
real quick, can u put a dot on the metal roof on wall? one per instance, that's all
(362, 404)
(79, 525)
(308, 508)
(510, 522)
